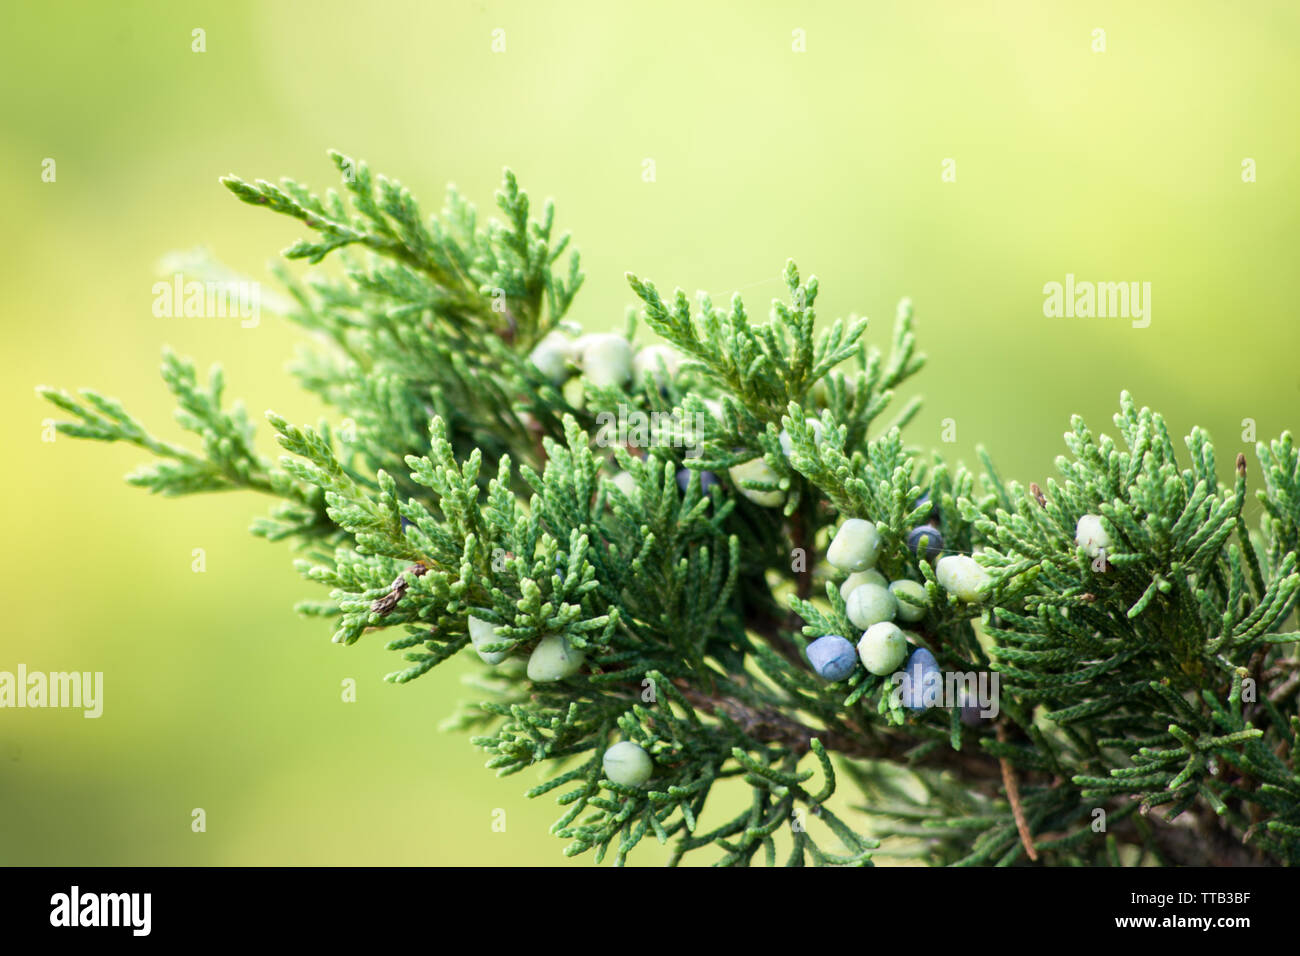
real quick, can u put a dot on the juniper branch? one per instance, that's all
(627, 591)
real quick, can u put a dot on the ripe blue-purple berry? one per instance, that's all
(971, 709)
(832, 657)
(922, 681)
(933, 544)
(708, 480)
(933, 513)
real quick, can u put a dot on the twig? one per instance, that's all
(396, 590)
(1285, 690)
(775, 727)
(1013, 795)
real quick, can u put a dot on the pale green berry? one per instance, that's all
(647, 362)
(859, 578)
(553, 659)
(552, 356)
(856, 546)
(870, 604)
(883, 648)
(606, 359)
(626, 483)
(1091, 536)
(480, 633)
(910, 589)
(551, 362)
(787, 443)
(627, 763)
(757, 470)
(962, 577)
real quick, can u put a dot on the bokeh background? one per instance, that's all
(1122, 165)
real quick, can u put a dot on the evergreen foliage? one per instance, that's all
(1156, 681)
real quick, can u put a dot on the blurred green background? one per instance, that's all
(1123, 165)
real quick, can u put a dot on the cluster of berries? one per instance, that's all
(605, 359)
(554, 658)
(873, 603)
